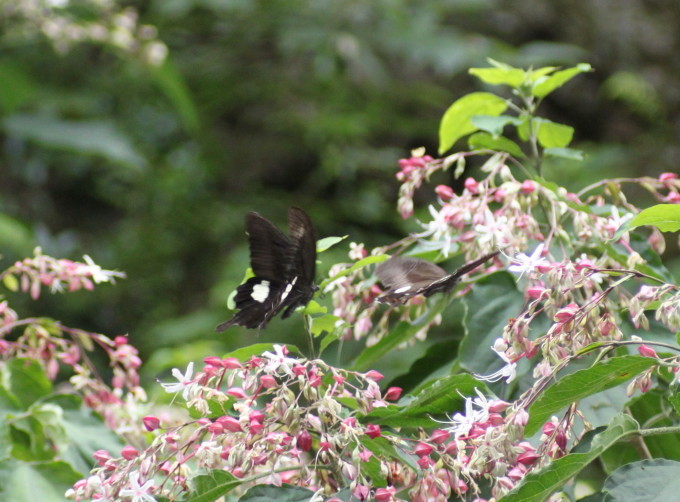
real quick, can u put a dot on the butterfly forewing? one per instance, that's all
(284, 269)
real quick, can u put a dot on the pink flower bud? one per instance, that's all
(527, 458)
(444, 192)
(216, 428)
(365, 455)
(361, 492)
(231, 363)
(549, 428)
(236, 392)
(129, 452)
(255, 428)
(672, 198)
(461, 487)
(425, 462)
(101, 456)
(256, 416)
(393, 393)
(566, 314)
(535, 292)
(439, 436)
(268, 381)
(647, 351)
(230, 424)
(385, 494)
(373, 431)
(304, 441)
(203, 421)
(471, 185)
(423, 449)
(528, 186)
(376, 376)
(496, 406)
(213, 361)
(151, 423)
(451, 448)
(667, 176)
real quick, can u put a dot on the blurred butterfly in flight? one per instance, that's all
(284, 268)
(406, 277)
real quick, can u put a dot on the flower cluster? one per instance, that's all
(112, 26)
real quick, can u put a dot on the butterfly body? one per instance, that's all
(283, 266)
(405, 277)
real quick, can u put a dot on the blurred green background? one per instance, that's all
(141, 132)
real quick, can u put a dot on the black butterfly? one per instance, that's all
(284, 269)
(406, 277)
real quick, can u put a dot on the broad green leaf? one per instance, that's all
(540, 484)
(492, 301)
(85, 432)
(501, 74)
(29, 440)
(364, 262)
(674, 400)
(580, 384)
(211, 486)
(27, 381)
(436, 398)
(313, 308)
(650, 407)
(381, 447)
(649, 480)
(16, 87)
(29, 482)
(5, 440)
(547, 84)
(15, 236)
(328, 242)
(494, 124)
(456, 120)
(402, 332)
(171, 82)
(553, 135)
(564, 153)
(437, 357)
(483, 140)
(87, 137)
(268, 493)
(324, 323)
(328, 339)
(665, 217)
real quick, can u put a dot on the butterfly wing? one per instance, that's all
(447, 283)
(301, 259)
(257, 301)
(406, 277)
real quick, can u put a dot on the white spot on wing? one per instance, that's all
(260, 291)
(402, 289)
(286, 291)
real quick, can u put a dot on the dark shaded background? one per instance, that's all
(265, 104)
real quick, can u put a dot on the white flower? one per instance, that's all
(526, 264)
(461, 424)
(279, 361)
(99, 274)
(509, 371)
(137, 492)
(184, 383)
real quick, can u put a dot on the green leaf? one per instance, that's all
(285, 493)
(580, 384)
(553, 135)
(211, 486)
(28, 482)
(564, 153)
(364, 262)
(665, 217)
(501, 74)
(16, 87)
(328, 242)
(456, 120)
(483, 140)
(381, 447)
(87, 137)
(11, 282)
(436, 398)
(539, 485)
(15, 236)
(437, 357)
(27, 381)
(492, 124)
(171, 82)
(493, 300)
(313, 308)
(402, 332)
(324, 323)
(547, 84)
(648, 480)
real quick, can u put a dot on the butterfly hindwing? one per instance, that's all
(284, 269)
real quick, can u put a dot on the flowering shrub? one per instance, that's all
(561, 364)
